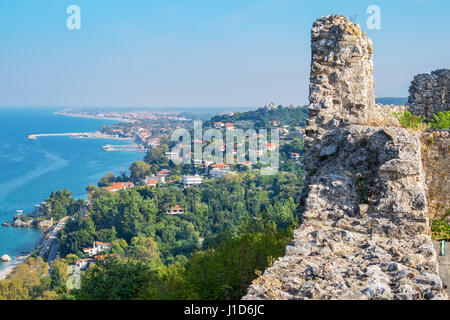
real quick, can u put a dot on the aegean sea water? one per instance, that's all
(31, 169)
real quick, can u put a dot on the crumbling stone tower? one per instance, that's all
(341, 83)
(430, 93)
(365, 229)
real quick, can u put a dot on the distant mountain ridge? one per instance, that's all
(260, 118)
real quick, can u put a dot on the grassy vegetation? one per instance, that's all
(441, 121)
(412, 121)
(408, 120)
(440, 229)
(362, 190)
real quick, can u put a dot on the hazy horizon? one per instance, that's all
(165, 107)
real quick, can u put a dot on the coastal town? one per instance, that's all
(147, 134)
(131, 127)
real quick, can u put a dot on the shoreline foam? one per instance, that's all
(11, 265)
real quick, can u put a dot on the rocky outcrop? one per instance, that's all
(5, 258)
(24, 223)
(430, 93)
(365, 229)
(21, 221)
(45, 224)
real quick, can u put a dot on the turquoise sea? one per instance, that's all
(31, 169)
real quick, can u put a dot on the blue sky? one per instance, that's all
(145, 53)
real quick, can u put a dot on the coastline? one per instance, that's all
(11, 265)
(77, 115)
(7, 267)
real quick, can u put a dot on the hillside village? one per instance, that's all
(205, 168)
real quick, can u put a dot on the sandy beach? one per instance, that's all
(10, 266)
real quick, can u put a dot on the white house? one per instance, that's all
(102, 246)
(97, 248)
(90, 251)
(219, 173)
(190, 180)
(82, 264)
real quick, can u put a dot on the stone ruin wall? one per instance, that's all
(436, 162)
(430, 93)
(341, 90)
(341, 82)
(365, 229)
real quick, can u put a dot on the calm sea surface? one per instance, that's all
(31, 169)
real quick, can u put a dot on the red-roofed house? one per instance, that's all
(275, 123)
(175, 210)
(229, 126)
(102, 245)
(119, 186)
(97, 248)
(295, 156)
(152, 183)
(271, 146)
(159, 179)
(163, 173)
(82, 264)
(221, 166)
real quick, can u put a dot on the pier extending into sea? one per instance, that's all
(94, 135)
(79, 135)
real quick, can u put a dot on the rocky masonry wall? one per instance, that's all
(341, 82)
(364, 232)
(430, 93)
(436, 161)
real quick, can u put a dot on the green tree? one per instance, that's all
(59, 275)
(107, 180)
(115, 279)
(234, 264)
(13, 290)
(143, 248)
(138, 170)
(27, 280)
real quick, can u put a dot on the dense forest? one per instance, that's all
(214, 207)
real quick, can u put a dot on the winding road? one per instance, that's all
(49, 244)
